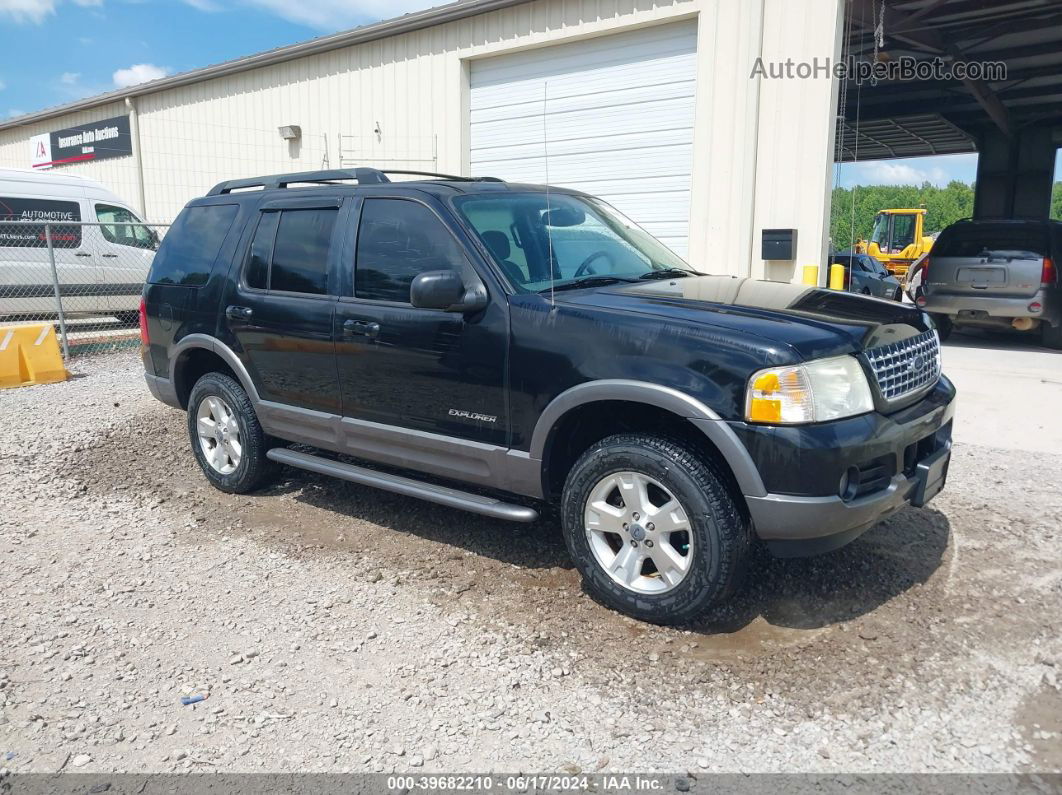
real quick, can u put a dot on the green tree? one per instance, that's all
(853, 210)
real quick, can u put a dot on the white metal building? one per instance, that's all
(648, 103)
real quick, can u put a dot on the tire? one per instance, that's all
(1051, 336)
(944, 326)
(717, 534)
(225, 403)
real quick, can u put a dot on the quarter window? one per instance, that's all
(397, 240)
(290, 251)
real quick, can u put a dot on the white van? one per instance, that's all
(101, 268)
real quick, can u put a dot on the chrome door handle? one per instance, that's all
(82, 254)
(364, 328)
(238, 312)
(110, 256)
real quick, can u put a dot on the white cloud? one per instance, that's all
(88, 2)
(339, 14)
(69, 78)
(27, 10)
(884, 173)
(204, 5)
(3, 85)
(139, 73)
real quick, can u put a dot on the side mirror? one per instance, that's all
(445, 290)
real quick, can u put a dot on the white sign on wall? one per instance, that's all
(41, 154)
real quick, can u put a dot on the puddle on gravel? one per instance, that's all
(758, 638)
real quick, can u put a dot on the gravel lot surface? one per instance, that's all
(340, 628)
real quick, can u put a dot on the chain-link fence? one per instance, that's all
(85, 278)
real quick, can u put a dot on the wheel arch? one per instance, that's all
(581, 416)
(198, 354)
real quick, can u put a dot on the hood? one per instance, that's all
(813, 321)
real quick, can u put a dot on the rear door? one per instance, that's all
(279, 305)
(1002, 259)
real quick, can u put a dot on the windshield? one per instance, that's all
(571, 237)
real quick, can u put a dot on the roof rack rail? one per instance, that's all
(364, 176)
(449, 177)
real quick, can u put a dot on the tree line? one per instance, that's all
(854, 209)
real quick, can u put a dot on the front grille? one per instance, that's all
(906, 367)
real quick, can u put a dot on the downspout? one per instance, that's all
(134, 134)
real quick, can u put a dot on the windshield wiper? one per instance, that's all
(668, 273)
(588, 281)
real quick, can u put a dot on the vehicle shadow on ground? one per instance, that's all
(997, 340)
(797, 593)
(812, 593)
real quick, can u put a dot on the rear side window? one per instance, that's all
(30, 235)
(1025, 241)
(188, 252)
(289, 251)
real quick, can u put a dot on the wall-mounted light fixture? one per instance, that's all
(290, 132)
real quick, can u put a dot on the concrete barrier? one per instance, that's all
(30, 355)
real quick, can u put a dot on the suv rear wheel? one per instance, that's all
(227, 439)
(653, 528)
(1051, 336)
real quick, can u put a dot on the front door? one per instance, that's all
(424, 370)
(280, 308)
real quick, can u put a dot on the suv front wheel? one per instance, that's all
(653, 528)
(227, 439)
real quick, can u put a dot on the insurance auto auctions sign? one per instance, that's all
(97, 140)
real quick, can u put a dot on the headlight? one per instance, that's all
(827, 389)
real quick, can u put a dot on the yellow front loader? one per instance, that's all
(898, 240)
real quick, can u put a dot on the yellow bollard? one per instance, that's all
(811, 275)
(837, 277)
(30, 355)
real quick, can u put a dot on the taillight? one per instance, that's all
(143, 323)
(1048, 275)
(925, 271)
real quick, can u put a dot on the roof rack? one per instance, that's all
(363, 176)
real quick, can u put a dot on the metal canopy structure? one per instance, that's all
(926, 117)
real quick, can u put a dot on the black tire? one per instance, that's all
(721, 533)
(254, 470)
(944, 326)
(1051, 336)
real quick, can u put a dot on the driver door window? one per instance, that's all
(397, 240)
(120, 226)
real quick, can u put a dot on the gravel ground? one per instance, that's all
(338, 628)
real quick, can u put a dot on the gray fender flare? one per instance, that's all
(214, 345)
(701, 416)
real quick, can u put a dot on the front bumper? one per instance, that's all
(904, 457)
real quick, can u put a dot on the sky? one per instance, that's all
(58, 51)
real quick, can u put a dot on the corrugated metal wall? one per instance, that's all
(414, 88)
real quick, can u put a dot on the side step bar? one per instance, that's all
(463, 500)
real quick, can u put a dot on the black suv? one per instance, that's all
(498, 347)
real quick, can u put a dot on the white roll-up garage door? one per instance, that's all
(614, 114)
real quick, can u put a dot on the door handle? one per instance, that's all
(110, 256)
(238, 312)
(82, 254)
(364, 328)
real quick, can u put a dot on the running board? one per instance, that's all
(463, 500)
